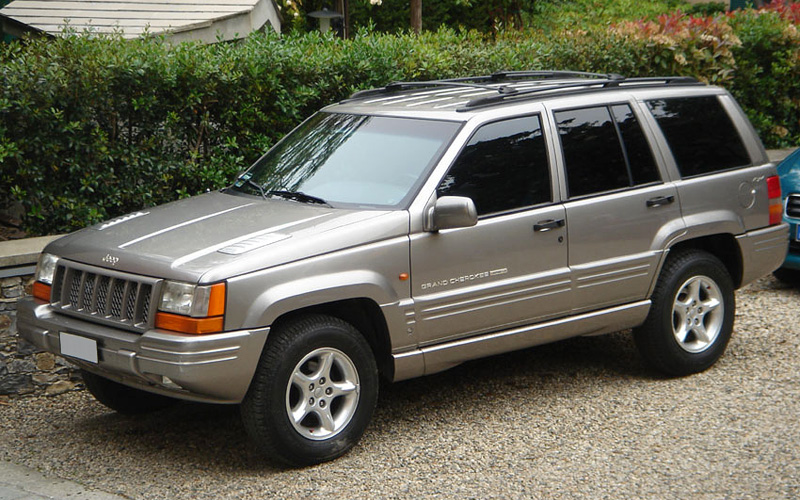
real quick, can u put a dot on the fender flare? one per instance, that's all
(301, 293)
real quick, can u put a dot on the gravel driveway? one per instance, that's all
(581, 418)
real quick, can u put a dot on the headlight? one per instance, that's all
(46, 268)
(192, 300)
(189, 308)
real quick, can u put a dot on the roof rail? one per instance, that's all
(588, 82)
(589, 85)
(541, 75)
(450, 82)
(472, 81)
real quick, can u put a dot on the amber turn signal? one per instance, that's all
(41, 290)
(185, 324)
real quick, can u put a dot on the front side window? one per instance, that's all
(352, 160)
(700, 134)
(503, 167)
(604, 149)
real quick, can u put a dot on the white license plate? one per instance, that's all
(78, 347)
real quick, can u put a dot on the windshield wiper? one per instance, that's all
(298, 196)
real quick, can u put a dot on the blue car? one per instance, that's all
(789, 172)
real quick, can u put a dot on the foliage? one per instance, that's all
(706, 9)
(94, 127)
(487, 16)
(684, 45)
(555, 15)
(767, 78)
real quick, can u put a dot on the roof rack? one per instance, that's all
(588, 85)
(454, 82)
(542, 75)
(473, 81)
(451, 82)
(586, 82)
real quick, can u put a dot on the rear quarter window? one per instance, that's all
(700, 134)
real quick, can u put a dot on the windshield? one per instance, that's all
(343, 159)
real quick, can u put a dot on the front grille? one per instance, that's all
(793, 206)
(105, 296)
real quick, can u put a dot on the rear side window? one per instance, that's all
(635, 146)
(503, 167)
(604, 150)
(700, 134)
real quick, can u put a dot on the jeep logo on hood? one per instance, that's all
(110, 259)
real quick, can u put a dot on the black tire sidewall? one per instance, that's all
(787, 276)
(122, 398)
(656, 340)
(274, 431)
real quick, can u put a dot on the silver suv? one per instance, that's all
(414, 227)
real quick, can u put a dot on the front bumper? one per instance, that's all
(793, 257)
(214, 368)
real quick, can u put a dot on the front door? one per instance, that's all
(509, 269)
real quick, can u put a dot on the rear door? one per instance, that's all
(620, 212)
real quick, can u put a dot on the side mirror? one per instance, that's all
(450, 212)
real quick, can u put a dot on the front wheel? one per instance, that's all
(691, 317)
(313, 393)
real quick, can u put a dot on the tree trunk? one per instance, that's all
(343, 7)
(416, 16)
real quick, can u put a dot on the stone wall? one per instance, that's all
(25, 369)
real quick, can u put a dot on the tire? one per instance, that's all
(313, 393)
(124, 399)
(691, 318)
(787, 276)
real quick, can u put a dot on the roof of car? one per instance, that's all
(477, 92)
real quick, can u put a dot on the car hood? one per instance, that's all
(219, 235)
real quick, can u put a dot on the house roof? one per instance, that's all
(208, 21)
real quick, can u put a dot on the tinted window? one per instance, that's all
(503, 167)
(700, 134)
(592, 151)
(637, 150)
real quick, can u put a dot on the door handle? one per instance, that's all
(659, 201)
(546, 225)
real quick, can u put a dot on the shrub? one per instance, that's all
(767, 83)
(684, 45)
(91, 128)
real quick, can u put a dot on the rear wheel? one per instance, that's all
(124, 399)
(691, 318)
(314, 391)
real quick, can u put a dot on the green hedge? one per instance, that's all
(91, 128)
